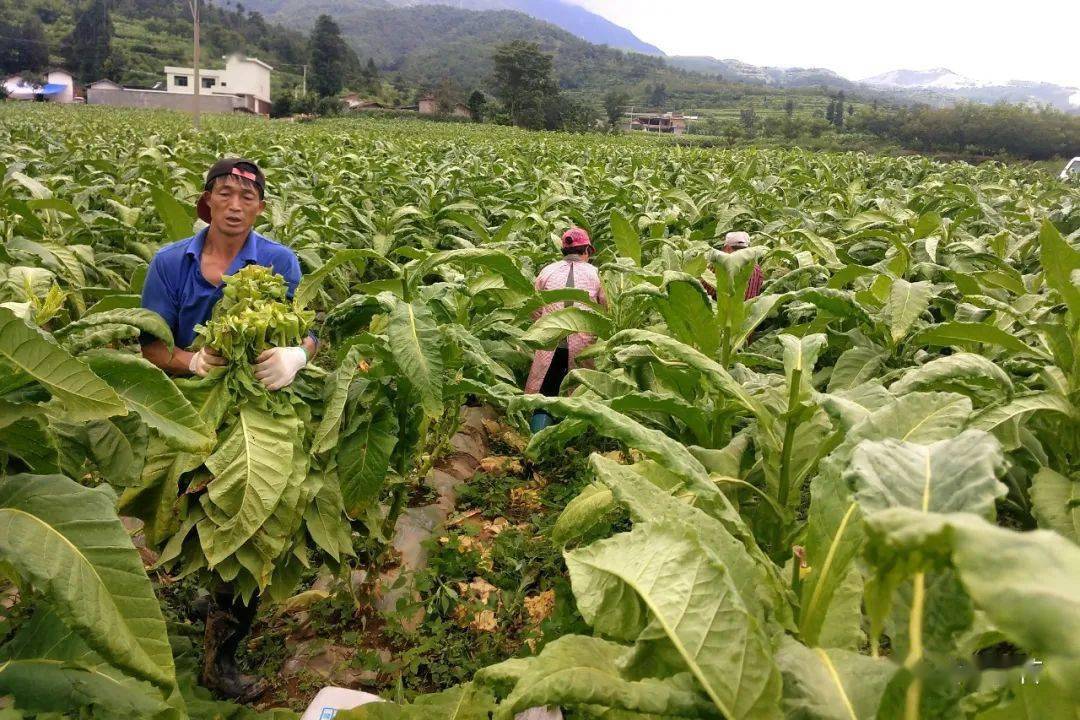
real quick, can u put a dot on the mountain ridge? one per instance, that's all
(575, 19)
(428, 40)
(944, 81)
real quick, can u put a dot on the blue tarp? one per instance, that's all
(53, 89)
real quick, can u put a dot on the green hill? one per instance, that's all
(423, 45)
(149, 34)
(416, 47)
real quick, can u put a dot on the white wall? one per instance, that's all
(171, 72)
(59, 77)
(243, 76)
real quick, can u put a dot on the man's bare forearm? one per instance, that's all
(311, 346)
(175, 361)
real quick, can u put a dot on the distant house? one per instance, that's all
(428, 105)
(673, 123)
(104, 85)
(353, 101)
(243, 86)
(59, 87)
(18, 88)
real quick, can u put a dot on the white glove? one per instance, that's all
(204, 361)
(276, 367)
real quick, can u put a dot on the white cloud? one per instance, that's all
(1033, 40)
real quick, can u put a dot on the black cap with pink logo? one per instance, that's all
(240, 167)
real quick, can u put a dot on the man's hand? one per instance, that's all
(205, 360)
(277, 367)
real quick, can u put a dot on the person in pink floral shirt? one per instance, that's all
(733, 242)
(550, 367)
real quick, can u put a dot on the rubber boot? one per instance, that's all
(227, 624)
(540, 420)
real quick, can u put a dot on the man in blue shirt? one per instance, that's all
(183, 282)
(182, 285)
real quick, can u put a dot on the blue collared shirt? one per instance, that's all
(177, 291)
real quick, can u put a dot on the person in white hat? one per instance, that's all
(733, 242)
(736, 240)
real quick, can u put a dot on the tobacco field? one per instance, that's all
(856, 496)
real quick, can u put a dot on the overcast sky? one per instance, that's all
(1029, 40)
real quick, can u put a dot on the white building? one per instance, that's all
(244, 77)
(59, 87)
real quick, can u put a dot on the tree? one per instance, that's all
(658, 96)
(477, 103)
(789, 107)
(830, 112)
(89, 45)
(614, 103)
(328, 57)
(24, 47)
(371, 75)
(838, 111)
(748, 118)
(523, 82)
(446, 95)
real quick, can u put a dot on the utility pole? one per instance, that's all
(194, 5)
(303, 84)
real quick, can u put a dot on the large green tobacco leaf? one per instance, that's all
(966, 373)
(834, 537)
(831, 684)
(312, 282)
(146, 321)
(323, 518)
(673, 455)
(252, 467)
(491, 259)
(625, 237)
(855, 366)
(416, 345)
(1060, 261)
(553, 327)
(650, 404)
(364, 456)
(955, 475)
(575, 671)
(992, 417)
(688, 313)
(966, 334)
(117, 446)
(712, 372)
(581, 514)
(663, 575)
(916, 418)
(48, 668)
(339, 384)
(146, 390)
(1021, 698)
(1056, 499)
(83, 394)
(800, 356)
(907, 302)
(24, 433)
(1027, 584)
(67, 542)
(178, 222)
(462, 702)
(645, 490)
